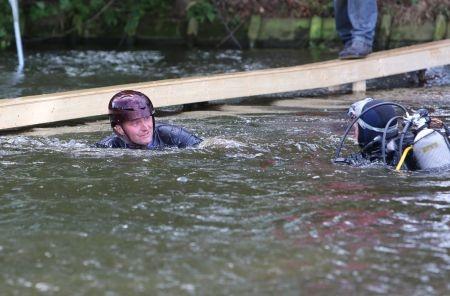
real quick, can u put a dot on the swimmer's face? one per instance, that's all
(138, 131)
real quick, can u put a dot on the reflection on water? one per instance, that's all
(257, 209)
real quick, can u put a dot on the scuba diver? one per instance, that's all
(131, 114)
(414, 142)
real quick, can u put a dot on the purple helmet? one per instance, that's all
(129, 105)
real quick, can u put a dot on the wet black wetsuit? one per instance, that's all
(366, 157)
(164, 135)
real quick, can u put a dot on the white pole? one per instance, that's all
(15, 11)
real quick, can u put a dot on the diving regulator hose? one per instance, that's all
(383, 140)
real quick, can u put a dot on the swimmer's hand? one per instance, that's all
(436, 123)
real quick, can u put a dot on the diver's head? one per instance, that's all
(373, 122)
(131, 116)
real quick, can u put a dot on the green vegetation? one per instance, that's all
(123, 18)
(5, 25)
(63, 17)
(201, 10)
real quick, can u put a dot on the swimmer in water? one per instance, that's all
(131, 114)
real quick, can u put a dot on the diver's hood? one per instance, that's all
(357, 108)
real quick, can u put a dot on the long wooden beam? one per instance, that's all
(33, 110)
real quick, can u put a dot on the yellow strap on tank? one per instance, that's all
(402, 159)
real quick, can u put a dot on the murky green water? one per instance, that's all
(257, 209)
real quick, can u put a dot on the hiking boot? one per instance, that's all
(357, 50)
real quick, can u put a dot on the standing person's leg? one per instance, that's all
(363, 18)
(343, 24)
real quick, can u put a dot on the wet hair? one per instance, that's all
(372, 123)
(128, 105)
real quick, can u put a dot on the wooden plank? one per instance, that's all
(32, 110)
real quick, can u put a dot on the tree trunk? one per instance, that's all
(179, 9)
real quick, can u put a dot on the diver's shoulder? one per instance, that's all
(167, 128)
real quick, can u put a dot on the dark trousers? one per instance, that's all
(356, 20)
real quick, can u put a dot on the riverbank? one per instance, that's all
(226, 24)
(257, 32)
